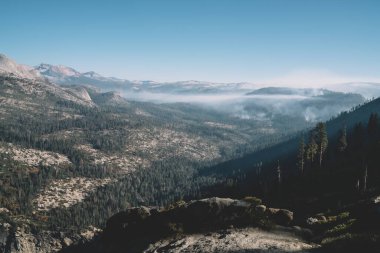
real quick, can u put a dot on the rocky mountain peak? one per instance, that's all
(9, 66)
(56, 71)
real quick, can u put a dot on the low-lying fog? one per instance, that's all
(318, 105)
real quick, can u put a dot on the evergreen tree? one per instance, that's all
(357, 143)
(278, 169)
(312, 148)
(358, 137)
(342, 140)
(321, 139)
(373, 125)
(365, 177)
(301, 155)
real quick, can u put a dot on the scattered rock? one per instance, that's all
(316, 220)
(67, 242)
(271, 211)
(4, 210)
(261, 208)
(376, 200)
(236, 240)
(321, 218)
(311, 221)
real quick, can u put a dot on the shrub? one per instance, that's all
(340, 228)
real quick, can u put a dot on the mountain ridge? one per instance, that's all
(64, 75)
(10, 66)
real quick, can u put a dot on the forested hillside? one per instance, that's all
(330, 181)
(329, 176)
(286, 151)
(73, 156)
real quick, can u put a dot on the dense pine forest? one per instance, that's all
(333, 177)
(316, 164)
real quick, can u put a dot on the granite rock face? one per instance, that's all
(21, 239)
(234, 240)
(135, 228)
(196, 223)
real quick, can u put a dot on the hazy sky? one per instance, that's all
(211, 40)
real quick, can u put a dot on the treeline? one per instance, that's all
(355, 152)
(325, 172)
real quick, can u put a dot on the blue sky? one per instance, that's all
(211, 40)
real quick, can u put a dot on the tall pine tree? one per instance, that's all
(312, 148)
(321, 139)
(373, 125)
(301, 155)
(342, 140)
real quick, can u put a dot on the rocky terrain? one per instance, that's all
(206, 225)
(23, 239)
(235, 240)
(231, 225)
(34, 157)
(63, 193)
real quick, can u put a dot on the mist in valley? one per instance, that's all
(308, 105)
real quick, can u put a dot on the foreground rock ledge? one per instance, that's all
(206, 225)
(234, 240)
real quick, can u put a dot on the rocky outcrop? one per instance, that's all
(108, 98)
(134, 229)
(80, 92)
(9, 66)
(213, 223)
(234, 240)
(21, 239)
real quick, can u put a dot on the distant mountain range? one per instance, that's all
(64, 75)
(68, 76)
(289, 91)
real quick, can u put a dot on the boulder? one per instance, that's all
(4, 210)
(321, 218)
(280, 216)
(261, 208)
(272, 211)
(311, 221)
(67, 241)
